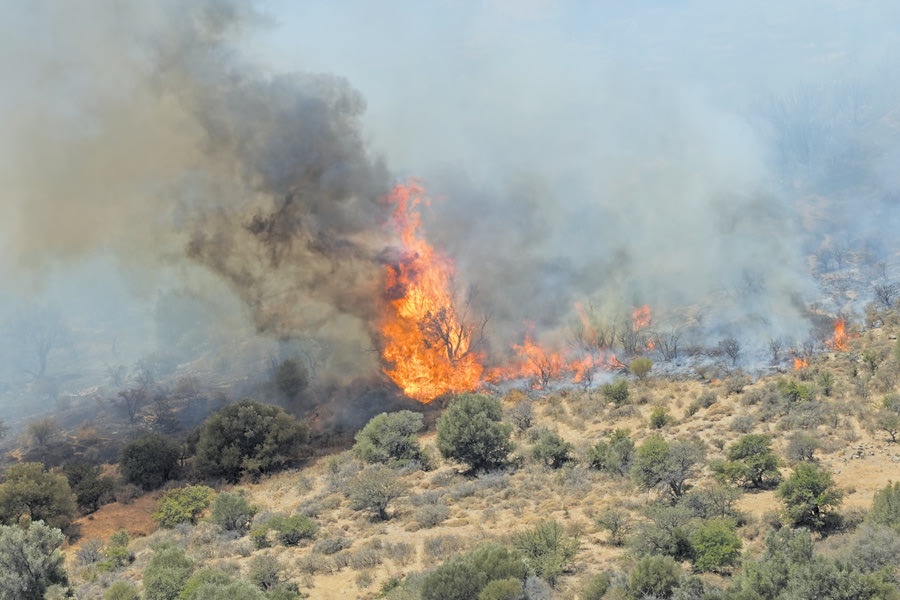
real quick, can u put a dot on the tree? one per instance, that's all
(232, 512)
(166, 574)
(30, 561)
(88, 485)
(33, 492)
(470, 431)
(660, 417)
(750, 461)
(715, 545)
(182, 505)
(552, 450)
(43, 430)
(149, 461)
(886, 294)
(390, 437)
(248, 438)
(373, 488)
(810, 497)
(889, 422)
(661, 464)
(291, 378)
(640, 367)
(802, 446)
(131, 402)
(731, 348)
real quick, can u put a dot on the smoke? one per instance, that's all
(690, 157)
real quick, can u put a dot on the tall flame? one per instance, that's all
(839, 342)
(425, 341)
(800, 363)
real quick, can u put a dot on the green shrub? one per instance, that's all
(616, 392)
(149, 461)
(502, 589)
(552, 450)
(810, 497)
(654, 576)
(390, 437)
(182, 505)
(116, 552)
(886, 507)
(89, 487)
(660, 417)
(122, 590)
(166, 574)
(292, 530)
(617, 522)
(640, 367)
(265, 571)
(715, 545)
(547, 550)
(235, 590)
(802, 446)
(596, 587)
(248, 438)
(794, 391)
(464, 577)
(658, 463)
(431, 515)
(203, 577)
(470, 432)
(614, 455)
(232, 512)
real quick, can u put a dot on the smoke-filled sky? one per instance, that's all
(235, 154)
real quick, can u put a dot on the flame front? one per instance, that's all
(800, 363)
(425, 341)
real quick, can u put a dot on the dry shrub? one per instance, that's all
(431, 515)
(365, 558)
(400, 553)
(441, 546)
(314, 564)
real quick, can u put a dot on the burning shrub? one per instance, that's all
(390, 437)
(470, 432)
(247, 438)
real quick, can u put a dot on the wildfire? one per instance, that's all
(800, 363)
(426, 342)
(839, 342)
(641, 318)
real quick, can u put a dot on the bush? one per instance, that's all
(33, 492)
(502, 589)
(794, 391)
(660, 417)
(232, 512)
(292, 530)
(810, 497)
(614, 455)
(547, 550)
(655, 576)
(616, 392)
(247, 438)
(715, 545)
(552, 450)
(265, 571)
(465, 576)
(373, 488)
(666, 533)
(470, 432)
(30, 561)
(116, 551)
(802, 446)
(596, 587)
(182, 505)
(750, 462)
(166, 574)
(640, 367)
(617, 522)
(886, 507)
(149, 461)
(390, 437)
(122, 590)
(431, 515)
(521, 415)
(203, 578)
(333, 545)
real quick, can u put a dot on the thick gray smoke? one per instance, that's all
(704, 161)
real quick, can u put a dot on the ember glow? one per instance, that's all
(426, 342)
(839, 342)
(800, 363)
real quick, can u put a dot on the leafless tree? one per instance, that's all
(667, 344)
(456, 331)
(131, 401)
(731, 347)
(886, 294)
(38, 330)
(775, 346)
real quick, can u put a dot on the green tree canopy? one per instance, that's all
(390, 437)
(33, 492)
(470, 432)
(810, 497)
(149, 461)
(658, 463)
(30, 561)
(248, 438)
(750, 462)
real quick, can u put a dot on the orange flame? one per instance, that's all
(800, 363)
(641, 318)
(425, 341)
(839, 342)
